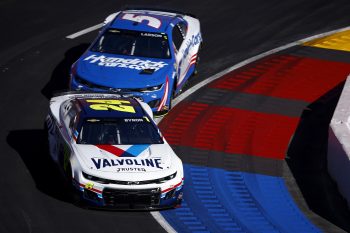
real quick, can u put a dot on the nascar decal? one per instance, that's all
(142, 163)
(132, 151)
(136, 63)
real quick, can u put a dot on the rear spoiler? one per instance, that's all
(131, 7)
(90, 94)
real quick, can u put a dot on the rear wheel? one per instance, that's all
(195, 72)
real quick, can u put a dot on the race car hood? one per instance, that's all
(126, 158)
(119, 71)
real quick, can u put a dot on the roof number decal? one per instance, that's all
(152, 21)
(117, 105)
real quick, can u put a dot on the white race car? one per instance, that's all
(112, 152)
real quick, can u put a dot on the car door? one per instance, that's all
(69, 116)
(178, 37)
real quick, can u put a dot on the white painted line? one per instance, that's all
(193, 89)
(85, 31)
(250, 60)
(161, 220)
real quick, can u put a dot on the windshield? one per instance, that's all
(120, 131)
(133, 43)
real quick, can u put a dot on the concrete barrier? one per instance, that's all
(339, 144)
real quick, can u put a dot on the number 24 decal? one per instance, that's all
(152, 21)
(117, 105)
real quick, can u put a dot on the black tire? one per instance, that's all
(73, 194)
(173, 93)
(195, 72)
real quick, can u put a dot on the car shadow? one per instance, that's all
(307, 160)
(32, 146)
(60, 76)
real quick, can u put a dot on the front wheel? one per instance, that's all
(73, 193)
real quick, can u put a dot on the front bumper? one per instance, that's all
(158, 100)
(130, 199)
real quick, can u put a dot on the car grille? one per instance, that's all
(131, 198)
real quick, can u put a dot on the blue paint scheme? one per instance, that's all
(229, 201)
(123, 79)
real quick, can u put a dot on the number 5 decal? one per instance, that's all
(117, 105)
(152, 21)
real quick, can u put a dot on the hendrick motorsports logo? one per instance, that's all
(136, 63)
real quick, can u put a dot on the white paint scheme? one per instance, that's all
(338, 156)
(80, 154)
(186, 59)
(110, 18)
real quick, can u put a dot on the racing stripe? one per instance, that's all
(175, 186)
(135, 150)
(132, 151)
(111, 149)
(192, 61)
(165, 96)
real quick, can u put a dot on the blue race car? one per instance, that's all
(148, 54)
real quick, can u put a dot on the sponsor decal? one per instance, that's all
(136, 63)
(191, 42)
(89, 185)
(135, 163)
(131, 169)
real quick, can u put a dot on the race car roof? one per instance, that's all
(143, 20)
(109, 107)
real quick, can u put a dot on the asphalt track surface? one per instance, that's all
(34, 61)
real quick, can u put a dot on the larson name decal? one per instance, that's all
(126, 162)
(136, 63)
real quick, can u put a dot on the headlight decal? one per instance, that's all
(171, 188)
(163, 101)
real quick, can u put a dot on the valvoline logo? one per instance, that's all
(132, 151)
(141, 163)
